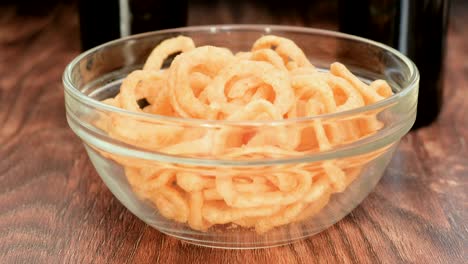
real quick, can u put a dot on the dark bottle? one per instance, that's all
(105, 20)
(417, 28)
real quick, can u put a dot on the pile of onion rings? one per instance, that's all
(273, 81)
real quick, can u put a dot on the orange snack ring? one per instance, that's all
(220, 213)
(277, 79)
(156, 178)
(192, 182)
(171, 204)
(306, 87)
(320, 185)
(286, 216)
(195, 219)
(286, 48)
(370, 96)
(240, 87)
(314, 207)
(212, 195)
(166, 48)
(302, 71)
(283, 181)
(247, 222)
(224, 185)
(270, 56)
(111, 101)
(198, 82)
(336, 176)
(382, 88)
(142, 134)
(182, 96)
(153, 87)
(345, 95)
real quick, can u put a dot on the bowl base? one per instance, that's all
(236, 246)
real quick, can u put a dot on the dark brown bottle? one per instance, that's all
(417, 28)
(105, 20)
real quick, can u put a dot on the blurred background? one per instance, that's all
(417, 28)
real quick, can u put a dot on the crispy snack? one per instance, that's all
(272, 81)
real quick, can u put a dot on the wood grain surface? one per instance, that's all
(54, 208)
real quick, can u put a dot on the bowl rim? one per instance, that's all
(72, 90)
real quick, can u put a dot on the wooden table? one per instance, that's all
(54, 208)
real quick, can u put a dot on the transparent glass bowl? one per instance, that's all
(96, 75)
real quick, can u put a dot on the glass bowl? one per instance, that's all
(230, 201)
